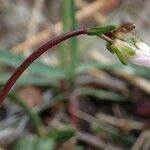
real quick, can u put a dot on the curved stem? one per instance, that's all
(11, 81)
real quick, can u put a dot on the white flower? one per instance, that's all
(133, 51)
(142, 55)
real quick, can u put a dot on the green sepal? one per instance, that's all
(121, 58)
(100, 30)
(125, 48)
(120, 55)
(129, 51)
(108, 46)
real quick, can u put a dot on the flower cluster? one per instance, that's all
(129, 48)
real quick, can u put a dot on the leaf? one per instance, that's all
(28, 80)
(61, 135)
(44, 144)
(68, 53)
(36, 68)
(87, 66)
(102, 94)
(140, 70)
(69, 21)
(24, 144)
(100, 30)
(29, 143)
(116, 134)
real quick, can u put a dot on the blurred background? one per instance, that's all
(79, 96)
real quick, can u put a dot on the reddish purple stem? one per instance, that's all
(11, 81)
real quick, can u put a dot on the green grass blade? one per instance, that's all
(114, 133)
(36, 68)
(68, 53)
(35, 119)
(29, 80)
(87, 66)
(61, 135)
(103, 94)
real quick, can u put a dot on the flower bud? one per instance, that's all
(129, 48)
(142, 56)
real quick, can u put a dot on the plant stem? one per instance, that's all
(11, 81)
(29, 60)
(69, 53)
(106, 38)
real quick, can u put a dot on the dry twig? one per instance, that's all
(34, 19)
(95, 141)
(137, 81)
(142, 142)
(120, 122)
(55, 29)
(99, 17)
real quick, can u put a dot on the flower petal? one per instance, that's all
(144, 47)
(142, 59)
